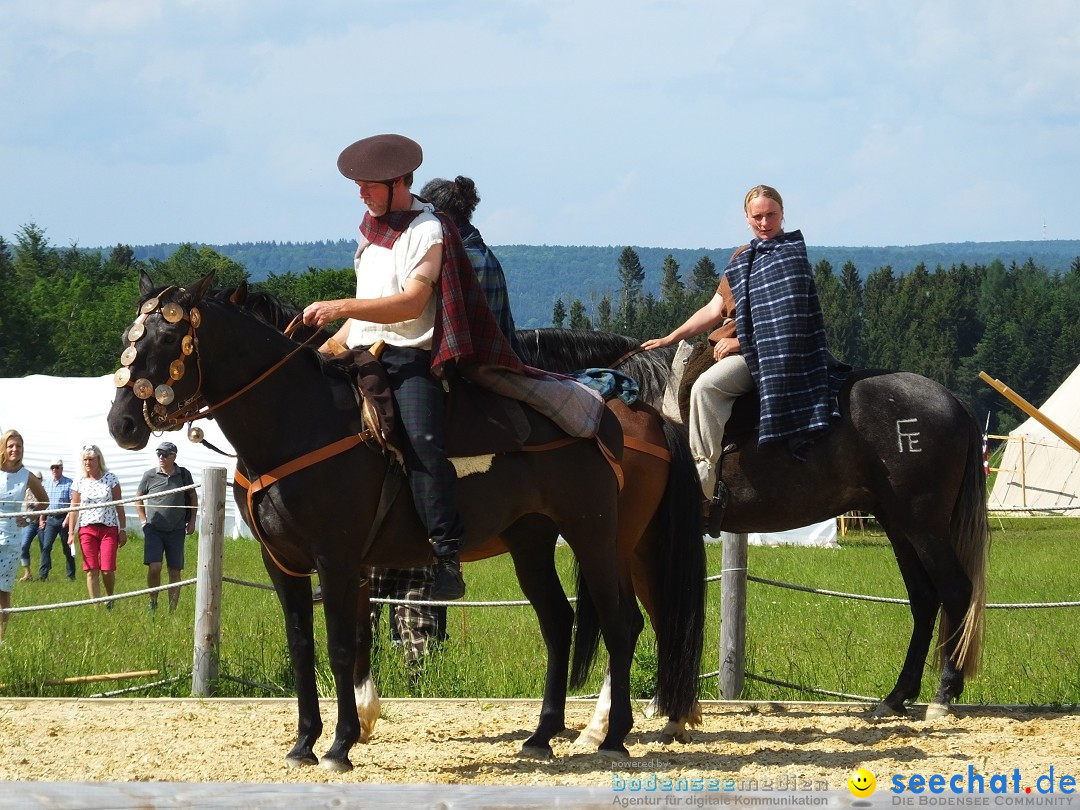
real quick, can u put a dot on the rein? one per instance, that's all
(196, 407)
(632, 353)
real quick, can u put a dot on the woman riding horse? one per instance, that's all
(771, 337)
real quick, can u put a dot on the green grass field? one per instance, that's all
(840, 645)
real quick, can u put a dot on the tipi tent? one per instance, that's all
(58, 415)
(1039, 471)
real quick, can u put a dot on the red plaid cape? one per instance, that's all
(464, 325)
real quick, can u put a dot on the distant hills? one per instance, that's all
(539, 274)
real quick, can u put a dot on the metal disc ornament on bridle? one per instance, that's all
(172, 312)
(164, 394)
(143, 388)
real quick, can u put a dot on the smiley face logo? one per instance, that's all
(861, 783)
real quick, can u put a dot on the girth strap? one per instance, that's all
(565, 440)
(643, 446)
(288, 468)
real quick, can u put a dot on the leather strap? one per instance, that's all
(643, 446)
(288, 468)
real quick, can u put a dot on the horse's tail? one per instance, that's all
(679, 583)
(586, 632)
(678, 587)
(970, 537)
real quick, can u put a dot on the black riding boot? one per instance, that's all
(449, 584)
(716, 509)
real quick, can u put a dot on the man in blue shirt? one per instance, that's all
(55, 523)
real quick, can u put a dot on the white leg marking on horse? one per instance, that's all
(367, 707)
(651, 709)
(593, 734)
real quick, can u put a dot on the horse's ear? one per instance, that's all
(201, 287)
(146, 284)
(239, 294)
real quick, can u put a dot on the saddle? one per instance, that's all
(478, 422)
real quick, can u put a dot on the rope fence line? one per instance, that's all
(496, 603)
(99, 600)
(885, 599)
(81, 507)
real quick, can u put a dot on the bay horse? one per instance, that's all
(905, 450)
(280, 405)
(659, 534)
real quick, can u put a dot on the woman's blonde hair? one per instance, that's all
(93, 450)
(9, 434)
(762, 191)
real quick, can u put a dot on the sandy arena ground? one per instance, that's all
(477, 741)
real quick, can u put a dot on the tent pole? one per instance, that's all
(1031, 410)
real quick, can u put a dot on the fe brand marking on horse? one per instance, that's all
(906, 438)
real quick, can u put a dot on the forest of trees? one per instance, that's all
(63, 310)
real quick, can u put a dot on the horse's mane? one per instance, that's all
(566, 350)
(272, 310)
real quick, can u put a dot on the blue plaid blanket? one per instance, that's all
(782, 337)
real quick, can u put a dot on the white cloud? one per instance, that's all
(641, 123)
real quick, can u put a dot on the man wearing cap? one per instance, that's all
(55, 523)
(166, 519)
(416, 291)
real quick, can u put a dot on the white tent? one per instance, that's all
(1038, 471)
(58, 415)
(819, 535)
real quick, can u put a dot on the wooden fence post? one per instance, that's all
(732, 615)
(204, 671)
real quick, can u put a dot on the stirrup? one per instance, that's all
(717, 508)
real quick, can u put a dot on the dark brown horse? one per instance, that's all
(904, 449)
(659, 536)
(279, 405)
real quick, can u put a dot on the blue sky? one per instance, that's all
(582, 122)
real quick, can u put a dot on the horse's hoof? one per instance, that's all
(651, 709)
(301, 761)
(589, 738)
(935, 711)
(335, 765)
(668, 737)
(614, 753)
(884, 710)
(537, 752)
(366, 732)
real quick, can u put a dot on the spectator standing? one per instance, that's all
(166, 520)
(55, 523)
(101, 527)
(31, 531)
(15, 480)
(418, 628)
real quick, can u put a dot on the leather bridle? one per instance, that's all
(160, 416)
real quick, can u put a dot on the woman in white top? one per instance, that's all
(15, 480)
(101, 529)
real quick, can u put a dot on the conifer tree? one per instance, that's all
(558, 314)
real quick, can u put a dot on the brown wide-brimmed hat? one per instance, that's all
(380, 158)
